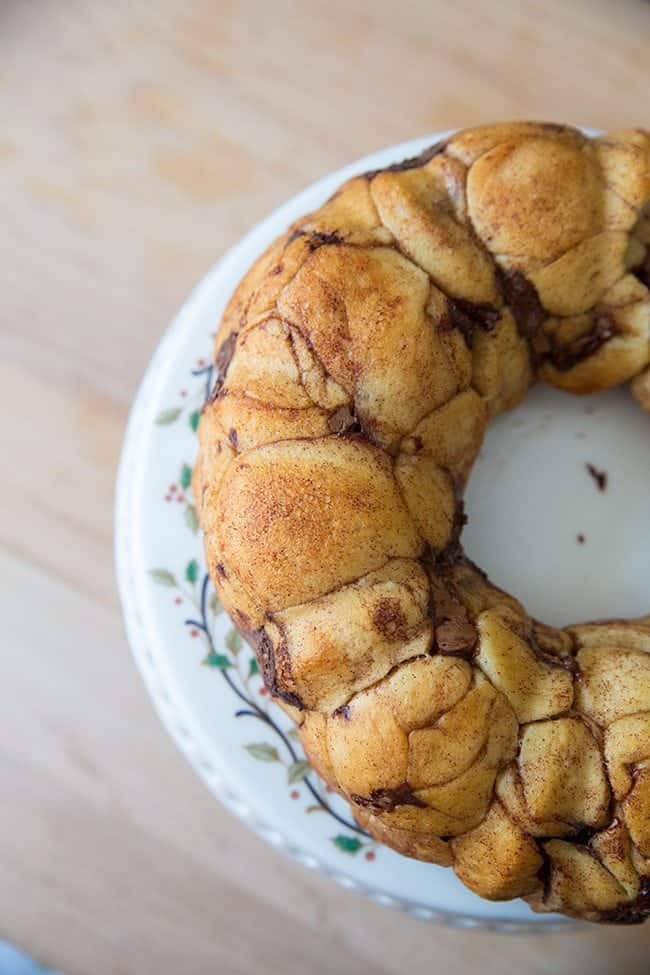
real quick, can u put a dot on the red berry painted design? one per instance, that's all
(180, 498)
(295, 794)
(263, 691)
(194, 632)
(172, 489)
(168, 497)
(178, 600)
(370, 855)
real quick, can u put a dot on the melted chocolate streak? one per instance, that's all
(635, 912)
(467, 317)
(385, 800)
(522, 298)
(268, 662)
(316, 238)
(413, 162)
(529, 315)
(571, 355)
(222, 362)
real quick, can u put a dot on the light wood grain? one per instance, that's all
(139, 139)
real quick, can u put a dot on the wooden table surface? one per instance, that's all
(139, 140)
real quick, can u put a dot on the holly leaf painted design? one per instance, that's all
(298, 771)
(191, 519)
(233, 641)
(163, 577)
(262, 752)
(165, 417)
(347, 844)
(218, 660)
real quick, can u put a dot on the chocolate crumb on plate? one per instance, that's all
(600, 477)
(581, 539)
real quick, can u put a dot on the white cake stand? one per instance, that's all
(529, 499)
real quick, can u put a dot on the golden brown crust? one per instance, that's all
(357, 366)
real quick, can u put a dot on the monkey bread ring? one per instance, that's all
(358, 364)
